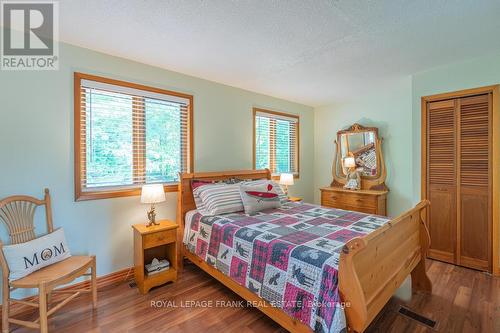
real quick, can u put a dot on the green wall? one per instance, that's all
(387, 107)
(36, 141)
(394, 107)
(475, 73)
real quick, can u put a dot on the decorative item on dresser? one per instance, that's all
(353, 177)
(363, 146)
(365, 201)
(17, 213)
(158, 241)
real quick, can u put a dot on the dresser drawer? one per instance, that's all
(365, 201)
(159, 238)
(348, 199)
(355, 208)
(361, 209)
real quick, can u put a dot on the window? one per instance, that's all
(276, 137)
(127, 135)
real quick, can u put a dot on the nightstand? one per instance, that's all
(295, 199)
(158, 241)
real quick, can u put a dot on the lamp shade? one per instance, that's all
(152, 193)
(286, 179)
(349, 162)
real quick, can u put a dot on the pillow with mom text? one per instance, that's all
(25, 258)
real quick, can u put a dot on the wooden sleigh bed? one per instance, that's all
(371, 268)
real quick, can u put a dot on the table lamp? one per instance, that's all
(349, 162)
(285, 180)
(152, 194)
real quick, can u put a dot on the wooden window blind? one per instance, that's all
(276, 142)
(127, 135)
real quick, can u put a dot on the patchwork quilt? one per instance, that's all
(288, 256)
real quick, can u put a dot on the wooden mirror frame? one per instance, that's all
(376, 182)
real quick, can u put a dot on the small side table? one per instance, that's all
(158, 241)
(295, 199)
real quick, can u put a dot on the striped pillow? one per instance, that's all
(200, 206)
(196, 184)
(219, 199)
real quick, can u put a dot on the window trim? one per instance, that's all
(283, 114)
(116, 191)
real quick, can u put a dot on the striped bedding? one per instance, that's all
(288, 256)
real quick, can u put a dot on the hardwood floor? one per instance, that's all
(463, 300)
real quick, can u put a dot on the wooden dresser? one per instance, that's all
(365, 201)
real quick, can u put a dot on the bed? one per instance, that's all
(357, 265)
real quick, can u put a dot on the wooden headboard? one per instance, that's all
(185, 200)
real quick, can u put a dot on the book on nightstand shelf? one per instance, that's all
(157, 266)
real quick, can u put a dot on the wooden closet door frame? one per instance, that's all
(494, 90)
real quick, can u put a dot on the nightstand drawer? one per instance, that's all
(159, 238)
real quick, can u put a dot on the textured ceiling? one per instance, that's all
(310, 51)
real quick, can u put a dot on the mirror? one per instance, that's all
(359, 148)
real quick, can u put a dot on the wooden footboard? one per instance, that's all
(373, 267)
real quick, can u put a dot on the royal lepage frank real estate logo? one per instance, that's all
(30, 34)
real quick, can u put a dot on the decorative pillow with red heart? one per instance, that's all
(260, 197)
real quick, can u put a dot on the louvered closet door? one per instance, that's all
(474, 199)
(442, 175)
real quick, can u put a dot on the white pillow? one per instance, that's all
(25, 258)
(259, 197)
